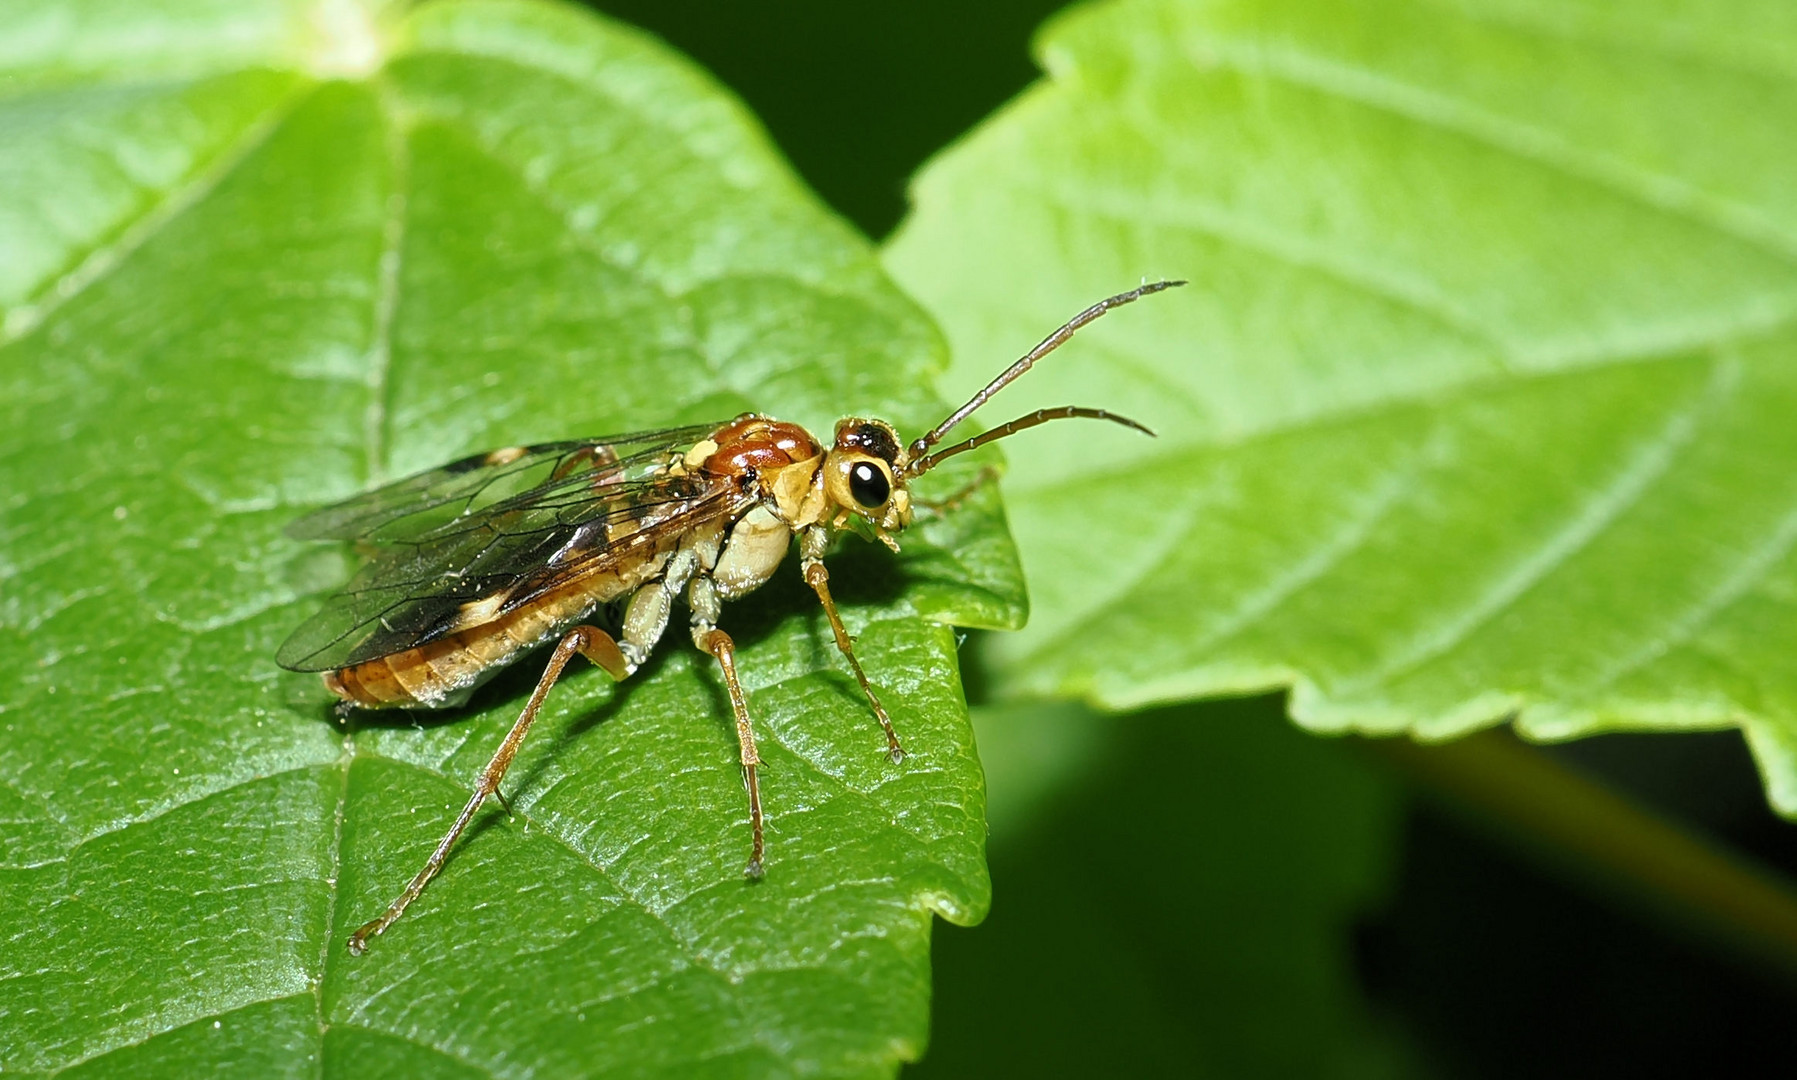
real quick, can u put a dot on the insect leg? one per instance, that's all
(719, 645)
(949, 505)
(589, 641)
(811, 560)
(647, 614)
(702, 598)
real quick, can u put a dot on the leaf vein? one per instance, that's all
(1325, 555)
(1747, 571)
(1647, 465)
(1400, 290)
(1670, 195)
(132, 235)
(387, 293)
(335, 872)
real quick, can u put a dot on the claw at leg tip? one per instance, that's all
(753, 870)
(358, 941)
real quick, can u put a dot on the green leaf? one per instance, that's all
(258, 255)
(1479, 404)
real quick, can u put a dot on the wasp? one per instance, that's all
(483, 560)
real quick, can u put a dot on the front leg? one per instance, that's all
(951, 503)
(812, 545)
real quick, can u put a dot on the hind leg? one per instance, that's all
(588, 641)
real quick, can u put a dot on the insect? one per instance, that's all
(484, 559)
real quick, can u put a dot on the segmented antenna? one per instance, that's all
(922, 460)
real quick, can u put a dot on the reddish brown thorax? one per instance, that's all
(757, 444)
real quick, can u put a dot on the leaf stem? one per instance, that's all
(1662, 866)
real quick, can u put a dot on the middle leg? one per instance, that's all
(719, 645)
(702, 598)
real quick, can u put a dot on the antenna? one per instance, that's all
(922, 461)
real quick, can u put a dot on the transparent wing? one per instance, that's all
(448, 541)
(434, 498)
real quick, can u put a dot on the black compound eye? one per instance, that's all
(869, 485)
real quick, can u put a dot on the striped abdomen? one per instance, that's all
(442, 673)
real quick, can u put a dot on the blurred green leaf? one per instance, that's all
(1479, 403)
(1183, 908)
(256, 255)
(1032, 753)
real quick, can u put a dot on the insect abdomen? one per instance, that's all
(442, 672)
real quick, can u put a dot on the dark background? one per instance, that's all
(1488, 956)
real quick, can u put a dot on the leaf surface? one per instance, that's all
(1478, 405)
(258, 255)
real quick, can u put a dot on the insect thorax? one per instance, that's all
(775, 459)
